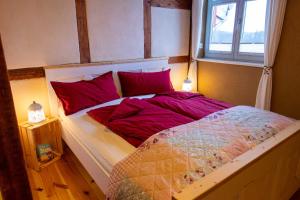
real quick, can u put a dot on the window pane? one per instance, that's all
(253, 30)
(222, 25)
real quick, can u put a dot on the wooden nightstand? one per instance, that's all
(46, 132)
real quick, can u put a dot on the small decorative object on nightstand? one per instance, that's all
(187, 85)
(36, 113)
(42, 146)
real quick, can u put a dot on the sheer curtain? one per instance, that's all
(274, 25)
(198, 16)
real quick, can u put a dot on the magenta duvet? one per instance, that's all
(136, 120)
(193, 105)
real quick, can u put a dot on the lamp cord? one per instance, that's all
(190, 43)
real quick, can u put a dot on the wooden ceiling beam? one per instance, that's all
(175, 4)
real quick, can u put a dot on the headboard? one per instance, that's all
(76, 72)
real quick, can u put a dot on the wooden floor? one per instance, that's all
(71, 181)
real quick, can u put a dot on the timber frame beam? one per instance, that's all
(26, 73)
(13, 177)
(147, 29)
(83, 33)
(83, 36)
(173, 4)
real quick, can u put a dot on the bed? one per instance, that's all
(272, 165)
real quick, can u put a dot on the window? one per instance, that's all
(235, 29)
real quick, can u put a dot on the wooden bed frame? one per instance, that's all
(68, 73)
(269, 171)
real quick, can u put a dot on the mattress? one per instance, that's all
(107, 147)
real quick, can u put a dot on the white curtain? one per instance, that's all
(197, 38)
(274, 23)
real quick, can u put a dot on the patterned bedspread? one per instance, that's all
(171, 159)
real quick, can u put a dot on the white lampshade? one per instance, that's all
(187, 85)
(36, 113)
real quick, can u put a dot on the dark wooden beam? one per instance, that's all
(39, 72)
(84, 47)
(179, 59)
(147, 28)
(83, 35)
(26, 73)
(13, 177)
(176, 4)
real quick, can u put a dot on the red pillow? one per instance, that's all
(141, 83)
(79, 95)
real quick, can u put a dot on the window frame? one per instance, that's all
(234, 55)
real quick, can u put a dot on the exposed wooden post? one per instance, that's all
(13, 177)
(83, 33)
(147, 28)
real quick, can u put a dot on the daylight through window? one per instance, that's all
(236, 29)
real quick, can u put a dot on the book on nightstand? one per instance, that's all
(44, 152)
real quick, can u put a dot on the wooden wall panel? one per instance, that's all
(230, 83)
(13, 178)
(286, 81)
(83, 34)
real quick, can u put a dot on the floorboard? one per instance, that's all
(71, 181)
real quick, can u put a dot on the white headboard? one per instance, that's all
(71, 73)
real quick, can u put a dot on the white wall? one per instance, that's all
(115, 29)
(26, 91)
(178, 75)
(44, 32)
(39, 32)
(170, 37)
(170, 32)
